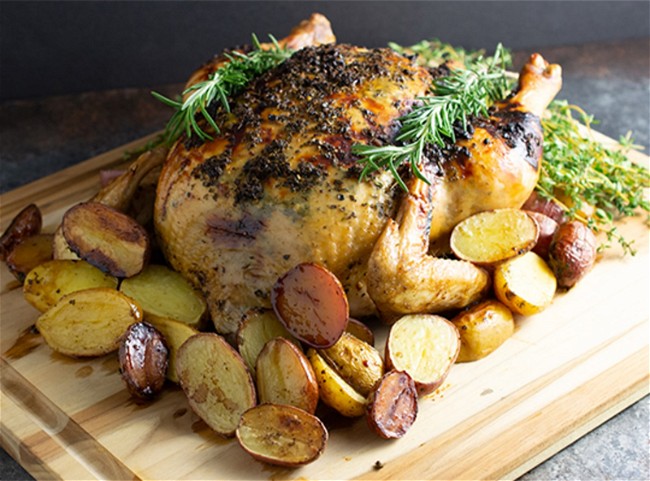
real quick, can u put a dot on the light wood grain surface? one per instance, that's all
(564, 371)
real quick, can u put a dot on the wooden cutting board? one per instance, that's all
(563, 372)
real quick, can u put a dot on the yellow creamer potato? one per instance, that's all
(425, 346)
(50, 281)
(483, 328)
(494, 236)
(357, 362)
(163, 292)
(333, 390)
(89, 322)
(525, 284)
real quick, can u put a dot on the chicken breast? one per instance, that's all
(279, 185)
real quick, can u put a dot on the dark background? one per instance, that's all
(51, 48)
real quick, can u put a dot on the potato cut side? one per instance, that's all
(163, 292)
(50, 281)
(89, 322)
(27, 223)
(175, 334)
(483, 328)
(494, 236)
(285, 376)
(143, 358)
(525, 284)
(28, 254)
(425, 347)
(311, 303)
(333, 390)
(106, 238)
(393, 406)
(258, 328)
(282, 435)
(357, 362)
(215, 380)
(61, 248)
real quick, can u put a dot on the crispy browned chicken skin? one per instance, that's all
(280, 186)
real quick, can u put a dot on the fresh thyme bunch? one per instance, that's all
(575, 167)
(464, 93)
(222, 84)
(584, 171)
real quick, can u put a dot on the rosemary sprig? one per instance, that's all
(582, 171)
(221, 85)
(575, 167)
(464, 93)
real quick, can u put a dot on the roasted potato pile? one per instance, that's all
(97, 293)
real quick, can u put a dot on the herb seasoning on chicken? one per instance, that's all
(279, 185)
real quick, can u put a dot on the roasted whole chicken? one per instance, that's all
(279, 184)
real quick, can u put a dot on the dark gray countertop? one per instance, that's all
(610, 81)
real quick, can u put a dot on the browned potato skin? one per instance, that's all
(393, 406)
(357, 362)
(295, 385)
(547, 229)
(124, 246)
(311, 303)
(572, 253)
(202, 364)
(359, 330)
(143, 357)
(29, 253)
(483, 328)
(282, 426)
(548, 207)
(27, 223)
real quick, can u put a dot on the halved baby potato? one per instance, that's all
(357, 362)
(50, 281)
(282, 435)
(89, 322)
(285, 376)
(393, 406)
(163, 292)
(483, 328)
(258, 328)
(525, 284)
(494, 236)
(311, 302)
(425, 346)
(27, 223)
(333, 390)
(175, 334)
(144, 358)
(106, 238)
(215, 380)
